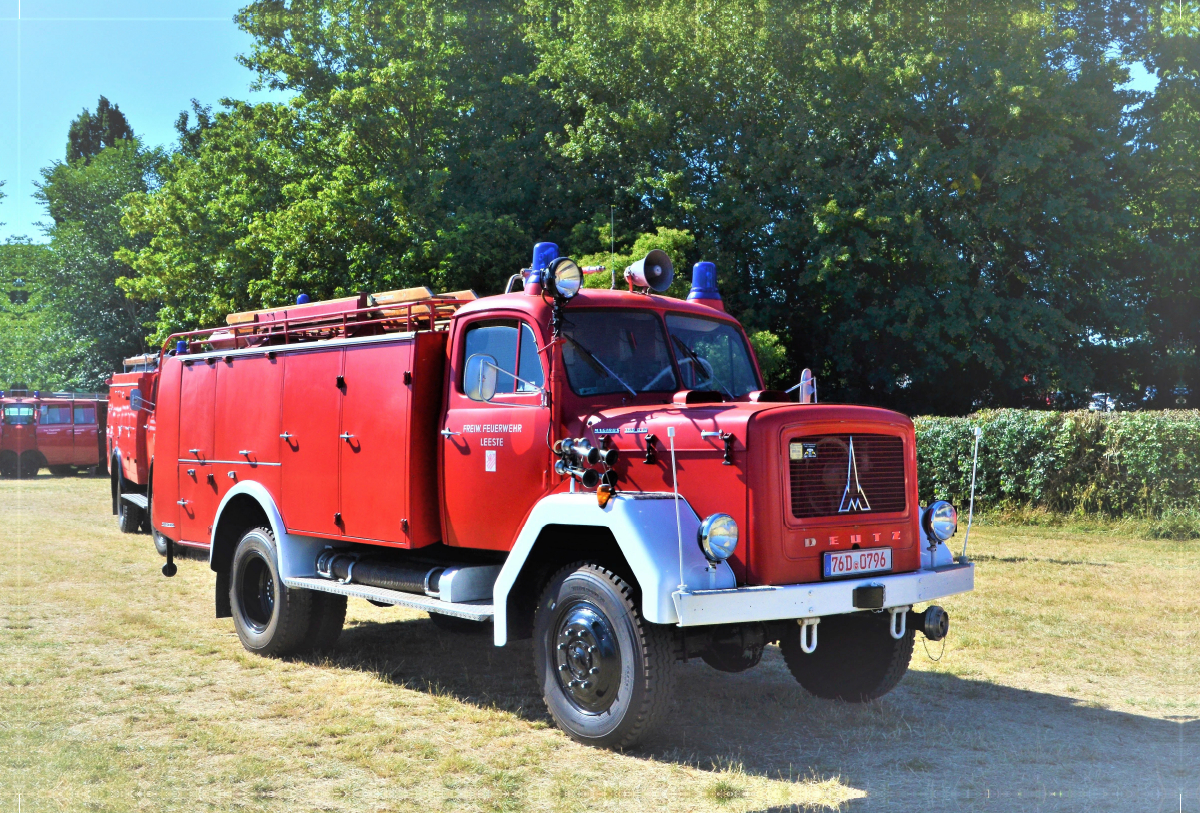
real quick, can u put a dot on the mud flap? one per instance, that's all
(224, 608)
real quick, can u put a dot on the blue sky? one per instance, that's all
(150, 57)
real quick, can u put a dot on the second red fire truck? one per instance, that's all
(600, 470)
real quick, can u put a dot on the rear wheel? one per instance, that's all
(325, 622)
(606, 674)
(129, 518)
(62, 471)
(8, 465)
(270, 618)
(30, 463)
(856, 658)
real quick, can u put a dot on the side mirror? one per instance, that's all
(480, 378)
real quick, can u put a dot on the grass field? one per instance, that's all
(1069, 682)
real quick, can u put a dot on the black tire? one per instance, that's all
(325, 622)
(856, 658)
(270, 618)
(587, 628)
(30, 463)
(160, 543)
(459, 626)
(62, 471)
(129, 518)
(8, 465)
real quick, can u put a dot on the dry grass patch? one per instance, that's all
(1067, 679)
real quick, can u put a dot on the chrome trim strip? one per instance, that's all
(205, 462)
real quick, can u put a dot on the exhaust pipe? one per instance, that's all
(933, 622)
(349, 568)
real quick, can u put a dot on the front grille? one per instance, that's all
(825, 483)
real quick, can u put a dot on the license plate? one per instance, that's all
(855, 562)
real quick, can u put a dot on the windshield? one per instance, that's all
(616, 351)
(18, 414)
(712, 355)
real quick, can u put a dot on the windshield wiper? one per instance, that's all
(603, 366)
(696, 362)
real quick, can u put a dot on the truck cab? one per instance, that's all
(599, 470)
(60, 431)
(129, 441)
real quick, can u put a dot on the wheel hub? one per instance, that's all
(587, 658)
(257, 594)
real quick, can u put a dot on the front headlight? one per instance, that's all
(718, 537)
(940, 520)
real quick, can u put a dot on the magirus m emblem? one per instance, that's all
(853, 498)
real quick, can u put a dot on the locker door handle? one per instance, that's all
(287, 436)
(447, 433)
(345, 436)
(181, 502)
(246, 452)
(194, 451)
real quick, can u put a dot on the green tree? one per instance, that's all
(411, 153)
(96, 324)
(92, 132)
(911, 197)
(33, 342)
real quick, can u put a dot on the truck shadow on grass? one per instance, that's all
(956, 743)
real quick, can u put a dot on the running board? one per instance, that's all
(137, 499)
(470, 610)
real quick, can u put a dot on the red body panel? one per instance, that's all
(227, 415)
(131, 399)
(55, 433)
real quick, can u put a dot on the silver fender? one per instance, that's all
(648, 533)
(297, 554)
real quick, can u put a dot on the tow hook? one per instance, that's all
(897, 621)
(933, 622)
(808, 634)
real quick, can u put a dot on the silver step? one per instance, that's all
(137, 499)
(470, 610)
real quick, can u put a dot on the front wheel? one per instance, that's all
(606, 674)
(856, 658)
(270, 618)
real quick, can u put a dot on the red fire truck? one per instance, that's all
(129, 440)
(60, 431)
(600, 470)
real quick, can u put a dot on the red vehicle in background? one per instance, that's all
(60, 431)
(129, 442)
(600, 470)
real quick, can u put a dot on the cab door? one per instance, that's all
(54, 434)
(197, 473)
(312, 400)
(495, 461)
(85, 435)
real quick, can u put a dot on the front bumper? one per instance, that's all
(770, 603)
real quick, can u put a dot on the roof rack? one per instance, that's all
(40, 394)
(407, 311)
(140, 364)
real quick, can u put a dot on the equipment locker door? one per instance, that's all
(247, 422)
(494, 455)
(86, 447)
(197, 477)
(54, 433)
(309, 454)
(373, 451)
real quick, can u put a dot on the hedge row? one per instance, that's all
(1118, 464)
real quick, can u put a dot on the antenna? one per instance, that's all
(612, 243)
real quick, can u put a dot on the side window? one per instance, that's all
(530, 367)
(54, 415)
(498, 340)
(85, 414)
